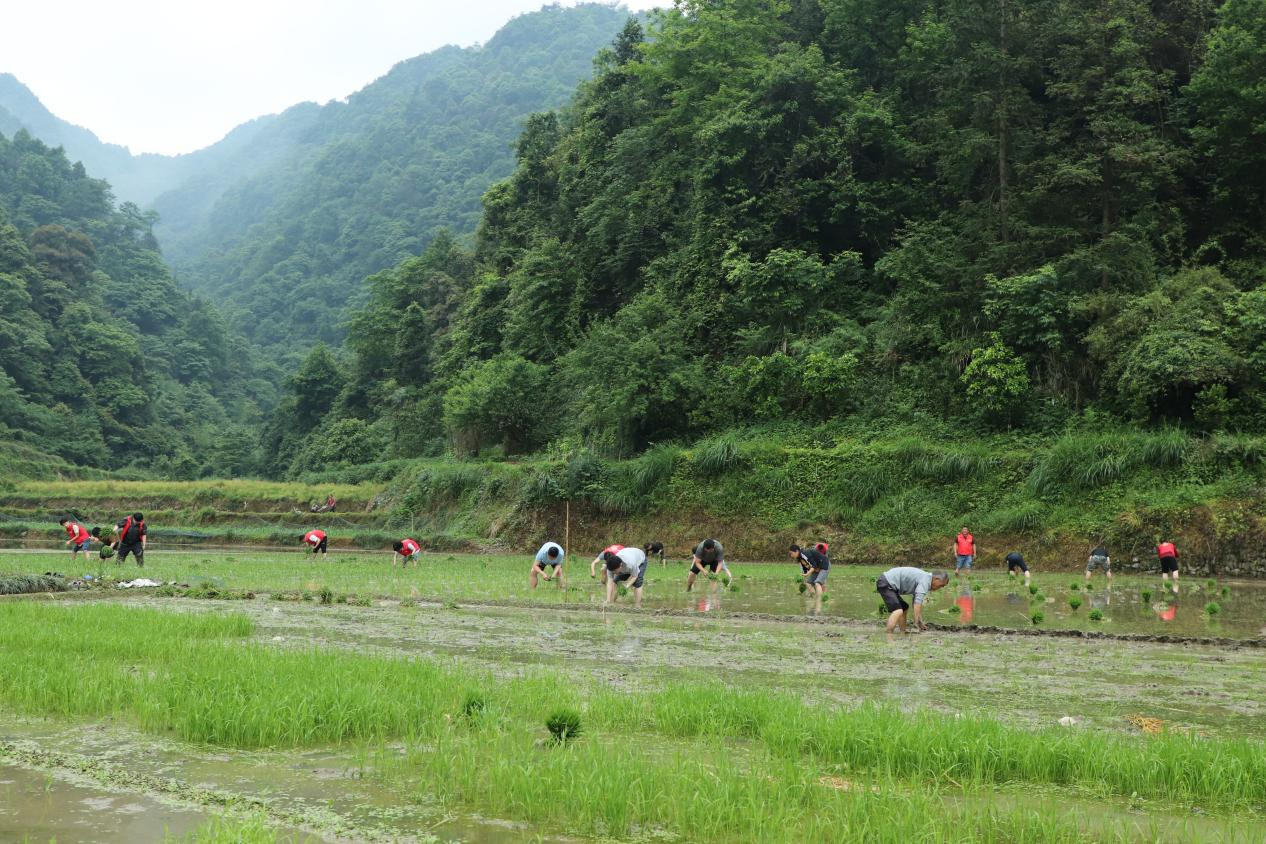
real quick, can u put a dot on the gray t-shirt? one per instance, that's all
(631, 560)
(710, 557)
(908, 580)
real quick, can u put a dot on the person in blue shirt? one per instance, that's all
(548, 563)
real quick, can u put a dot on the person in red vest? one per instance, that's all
(132, 536)
(318, 540)
(406, 550)
(1169, 562)
(79, 539)
(600, 561)
(964, 551)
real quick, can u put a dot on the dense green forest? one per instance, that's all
(104, 362)
(969, 215)
(369, 181)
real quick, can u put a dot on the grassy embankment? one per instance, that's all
(890, 498)
(703, 761)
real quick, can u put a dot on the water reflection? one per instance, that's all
(966, 603)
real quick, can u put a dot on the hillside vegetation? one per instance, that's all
(104, 362)
(981, 215)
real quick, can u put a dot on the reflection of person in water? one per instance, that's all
(966, 603)
(1168, 612)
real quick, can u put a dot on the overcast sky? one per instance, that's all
(173, 76)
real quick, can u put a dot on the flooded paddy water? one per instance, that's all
(764, 634)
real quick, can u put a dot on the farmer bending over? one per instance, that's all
(601, 560)
(406, 550)
(708, 554)
(814, 564)
(1099, 559)
(1015, 562)
(548, 563)
(1168, 554)
(318, 540)
(623, 565)
(907, 580)
(132, 535)
(79, 539)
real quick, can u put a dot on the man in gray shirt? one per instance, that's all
(708, 555)
(907, 580)
(628, 565)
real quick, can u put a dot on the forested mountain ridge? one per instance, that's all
(373, 178)
(979, 214)
(104, 361)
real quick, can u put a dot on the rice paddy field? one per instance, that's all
(284, 697)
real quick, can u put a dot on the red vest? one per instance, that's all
(77, 533)
(314, 537)
(965, 541)
(1166, 549)
(614, 549)
(409, 547)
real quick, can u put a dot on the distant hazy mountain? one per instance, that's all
(356, 186)
(283, 219)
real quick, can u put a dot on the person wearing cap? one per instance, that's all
(548, 563)
(908, 580)
(623, 566)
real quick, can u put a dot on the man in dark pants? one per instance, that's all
(815, 565)
(708, 555)
(132, 535)
(907, 580)
(1015, 562)
(318, 540)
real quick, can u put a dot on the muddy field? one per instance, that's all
(105, 779)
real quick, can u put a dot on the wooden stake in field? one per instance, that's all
(567, 528)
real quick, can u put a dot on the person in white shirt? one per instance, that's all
(627, 564)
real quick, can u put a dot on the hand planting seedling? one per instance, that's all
(1096, 615)
(563, 725)
(1074, 602)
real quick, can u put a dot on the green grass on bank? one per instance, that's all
(700, 760)
(875, 497)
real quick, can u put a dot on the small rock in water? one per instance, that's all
(1067, 721)
(278, 639)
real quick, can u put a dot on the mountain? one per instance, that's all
(854, 217)
(201, 176)
(104, 361)
(356, 186)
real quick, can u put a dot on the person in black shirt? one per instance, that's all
(814, 564)
(1015, 562)
(1099, 559)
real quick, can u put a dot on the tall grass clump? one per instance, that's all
(653, 469)
(719, 455)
